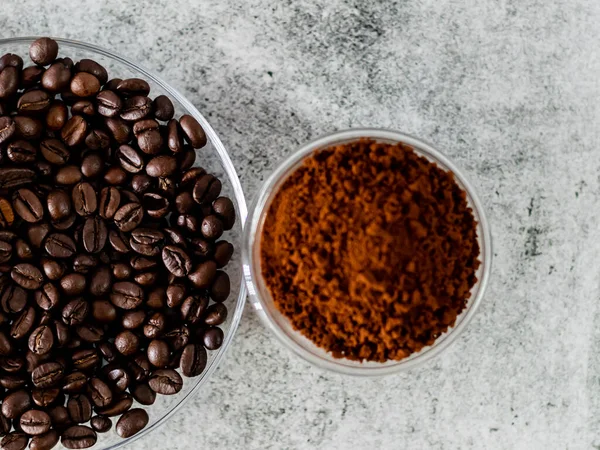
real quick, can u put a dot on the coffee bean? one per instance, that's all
(142, 263)
(5, 252)
(206, 189)
(41, 340)
(92, 165)
(97, 140)
(132, 422)
(12, 177)
(89, 332)
(143, 394)
(223, 207)
(213, 338)
(78, 436)
(54, 151)
(68, 175)
(44, 397)
(47, 375)
(60, 246)
(92, 67)
(177, 337)
(193, 360)
(85, 84)
(58, 204)
(74, 131)
(74, 382)
(5, 425)
(221, 287)
(140, 183)
(165, 382)
(84, 263)
(11, 60)
(193, 308)
(174, 136)
(27, 276)
(13, 298)
(57, 115)
(129, 197)
(194, 134)
(203, 274)
(80, 408)
(166, 186)
(33, 102)
(156, 205)
(86, 359)
(118, 241)
(158, 353)
(75, 312)
(15, 404)
(129, 216)
(109, 202)
(175, 295)
(7, 128)
(211, 227)
(149, 138)
(73, 284)
(43, 51)
(94, 234)
(7, 214)
(28, 128)
(163, 108)
(100, 282)
(118, 129)
(9, 82)
(127, 342)
(31, 76)
(129, 159)
(27, 205)
(59, 417)
(121, 271)
(146, 241)
(140, 367)
(133, 319)
(101, 424)
(136, 108)
(103, 311)
(54, 270)
(117, 407)
(133, 86)
(191, 176)
(35, 422)
(23, 249)
(21, 152)
(57, 77)
(99, 392)
(14, 441)
(46, 441)
(115, 176)
(161, 166)
(188, 223)
(127, 295)
(176, 261)
(215, 314)
(117, 376)
(84, 199)
(83, 108)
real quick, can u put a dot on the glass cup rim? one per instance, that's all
(255, 282)
(232, 178)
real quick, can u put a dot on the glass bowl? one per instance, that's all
(215, 159)
(261, 299)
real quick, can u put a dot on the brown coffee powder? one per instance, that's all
(370, 250)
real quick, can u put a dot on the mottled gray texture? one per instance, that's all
(509, 89)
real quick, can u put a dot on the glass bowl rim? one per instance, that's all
(265, 194)
(232, 176)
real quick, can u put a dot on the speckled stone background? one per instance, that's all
(510, 89)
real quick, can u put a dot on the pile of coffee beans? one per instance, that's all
(111, 280)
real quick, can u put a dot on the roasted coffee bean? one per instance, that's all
(132, 422)
(44, 397)
(117, 376)
(60, 246)
(86, 359)
(85, 84)
(174, 136)
(142, 263)
(99, 392)
(92, 67)
(132, 320)
(89, 333)
(215, 314)
(177, 338)
(45, 441)
(27, 276)
(155, 325)
(57, 77)
(211, 227)
(129, 216)
(7, 213)
(127, 342)
(33, 102)
(54, 270)
(47, 297)
(9, 82)
(84, 199)
(47, 375)
(149, 139)
(9, 364)
(136, 108)
(7, 128)
(165, 382)
(206, 189)
(62, 332)
(59, 417)
(14, 441)
(41, 340)
(109, 202)
(127, 295)
(27, 205)
(35, 422)
(223, 207)
(78, 436)
(161, 166)
(92, 165)
(139, 366)
(101, 424)
(74, 382)
(28, 128)
(175, 295)
(193, 308)
(74, 131)
(118, 241)
(158, 353)
(166, 186)
(5, 252)
(21, 152)
(6, 346)
(15, 404)
(115, 176)
(156, 205)
(194, 134)
(202, 248)
(100, 282)
(118, 129)
(80, 408)
(191, 176)
(43, 51)
(143, 394)
(121, 271)
(75, 312)
(11, 382)
(58, 204)
(23, 249)
(54, 151)
(97, 140)
(109, 103)
(83, 108)
(117, 407)
(73, 284)
(133, 86)
(84, 263)
(188, 223)
(13, 298)
(157, 297)
(43, 168)
(5, 425)
(129, 159)
(11, 60)
(163, 108)
(104, 311)
(146, 241)
(13, 177)
(57, 115)
(94, 234)
(108, 351)
(203, 274)
(129, 197)
(193, 360)
(68, 175)
(213, 338)
(140, 183)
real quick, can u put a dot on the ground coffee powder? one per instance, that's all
(370, 250)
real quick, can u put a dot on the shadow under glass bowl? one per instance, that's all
(261, 299)
(215, 159)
